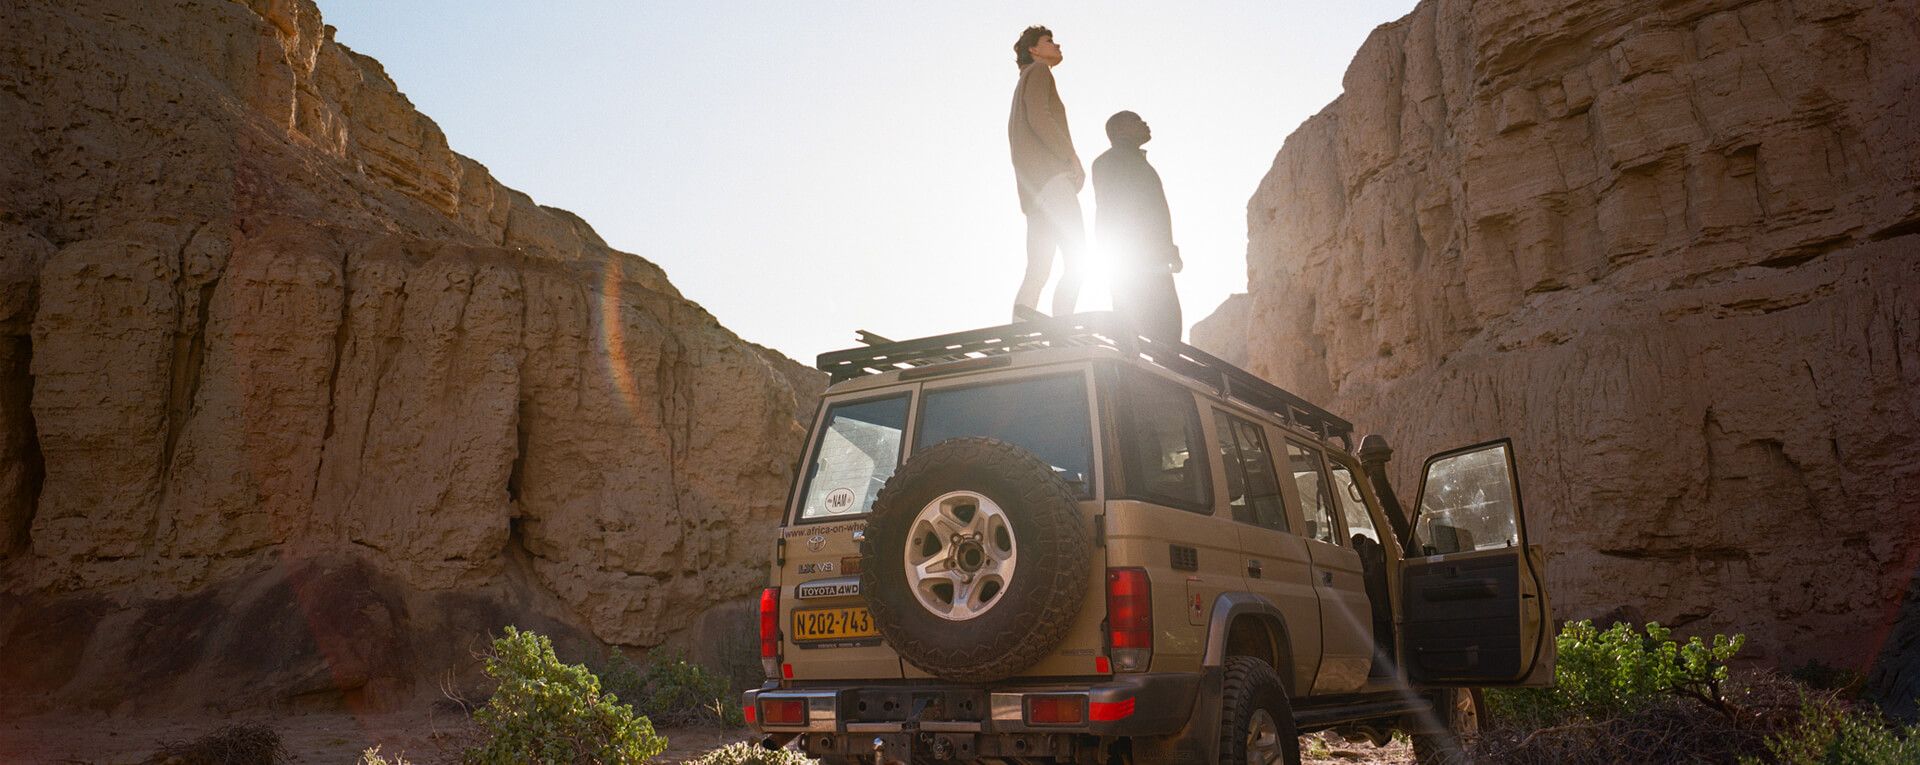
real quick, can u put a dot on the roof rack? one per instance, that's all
(1085, 330)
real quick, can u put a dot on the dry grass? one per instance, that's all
(237, 744)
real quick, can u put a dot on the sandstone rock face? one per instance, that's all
(257, 320)
(1673, 250)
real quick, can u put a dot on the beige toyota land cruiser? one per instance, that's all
(1059, 542)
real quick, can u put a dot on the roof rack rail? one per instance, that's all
(1098, 330)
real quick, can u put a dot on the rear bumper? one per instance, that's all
(1124, 705)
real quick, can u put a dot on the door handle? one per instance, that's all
(1253, 569)
(1326, 578)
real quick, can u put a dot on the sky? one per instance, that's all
(807, 169)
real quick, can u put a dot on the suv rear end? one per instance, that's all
(833, 678)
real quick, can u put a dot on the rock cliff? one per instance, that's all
(294, 398)
(1672, 249)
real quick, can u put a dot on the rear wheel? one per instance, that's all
(1256, 721)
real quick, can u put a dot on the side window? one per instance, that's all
(1316, 500)
(1161, 444)
(1353, 505)
(858, 450)
(1252, 489)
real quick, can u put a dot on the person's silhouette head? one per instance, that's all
(1126, 129)
(1036, 44)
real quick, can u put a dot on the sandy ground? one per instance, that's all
(423, 738)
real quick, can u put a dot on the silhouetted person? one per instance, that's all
(1136, 231)
(1049, 176)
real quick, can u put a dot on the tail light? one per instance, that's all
(1056, 710)
(770, 631)
(1130, 618)
(783, 712)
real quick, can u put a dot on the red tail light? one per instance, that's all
(1130, 618)
(770, 631)
(1056, 710)
(783, 712)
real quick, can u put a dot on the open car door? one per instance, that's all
(1475, 603)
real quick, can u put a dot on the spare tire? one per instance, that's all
(975, 559)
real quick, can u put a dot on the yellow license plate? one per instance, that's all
(833, 624)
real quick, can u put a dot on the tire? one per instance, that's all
(1256, 721)
(1456, 716)
(1015, 564)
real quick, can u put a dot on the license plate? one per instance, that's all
(833, 624)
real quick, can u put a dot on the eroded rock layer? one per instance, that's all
(1673, 250)
(259, 324)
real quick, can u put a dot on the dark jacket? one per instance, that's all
(1132, 223)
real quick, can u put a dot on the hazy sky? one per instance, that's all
(805, 169)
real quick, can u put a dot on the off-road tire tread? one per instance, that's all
(1442, 746)
(1059, 552)
(1246, 678)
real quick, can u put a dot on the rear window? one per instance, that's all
(1046, 416)
(859, 449)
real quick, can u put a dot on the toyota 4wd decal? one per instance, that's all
(829, 588)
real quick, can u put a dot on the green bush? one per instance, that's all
(748, 753)
(548, 712)
(1603, 674)
(1831, 733)
(672, 691)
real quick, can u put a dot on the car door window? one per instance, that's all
(1316, 499)
(1252, 488)
(856, 452)
(1468, 502)
(1044, 415)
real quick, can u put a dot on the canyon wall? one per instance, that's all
(285, 380)
(1673, 250)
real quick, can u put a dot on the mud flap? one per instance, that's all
(1199, 742)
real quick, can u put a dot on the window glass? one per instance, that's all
(1353, 505)
(1161, 444)
(1316, 501)
(1466, 503)
(1046, 416)
(1252, 490)
(858, 450)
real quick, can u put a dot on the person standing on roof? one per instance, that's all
(1136, 230)
(1049, 176)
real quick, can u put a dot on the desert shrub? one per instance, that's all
(373, 757)
(1829, 732)
(749, 753)
(1627, 694)
(238, 744)
(673, 691)
(1668, 730)
(548, 712)
(1819, 675)
(1613, 673)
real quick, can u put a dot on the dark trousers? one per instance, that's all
(1148, 300)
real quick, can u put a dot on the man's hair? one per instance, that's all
(1118, 121)
(1023, 50)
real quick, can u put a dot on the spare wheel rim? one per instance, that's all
(960, 555)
